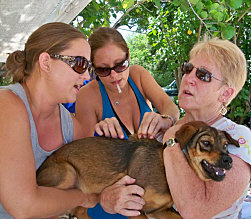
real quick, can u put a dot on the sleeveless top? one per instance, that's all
(97, 212)
(39, 153)
(243, 135)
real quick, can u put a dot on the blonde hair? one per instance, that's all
(51, 38)
(228, 58)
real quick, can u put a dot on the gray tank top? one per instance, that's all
(39, 153)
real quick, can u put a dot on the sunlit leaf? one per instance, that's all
(127, 4)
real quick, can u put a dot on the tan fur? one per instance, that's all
(92, 164)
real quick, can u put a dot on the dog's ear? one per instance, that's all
(231, 140)
(186, 132)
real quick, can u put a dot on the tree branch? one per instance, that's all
(198, 17)
(244, 13)
(127, 12)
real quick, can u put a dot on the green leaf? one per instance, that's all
(177, 3)
(194, 1)
(248, 2)
(236, 3)
(95, 5)
(204, 14)
(214, 6)
(199, 6)
(208, 4)
(127, 4)
(157, 2)
(228, 32)
(218, 16)
(184, 6)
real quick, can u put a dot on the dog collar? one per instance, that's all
(170, 142)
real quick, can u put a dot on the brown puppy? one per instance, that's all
(92, 164)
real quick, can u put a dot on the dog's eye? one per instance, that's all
(225, 146)
(206, 143)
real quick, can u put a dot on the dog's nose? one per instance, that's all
(226, 161)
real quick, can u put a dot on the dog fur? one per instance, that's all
(91, 164)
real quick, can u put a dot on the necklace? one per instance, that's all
(116, 103)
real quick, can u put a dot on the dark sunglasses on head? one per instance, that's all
(120, 67)
(201, 73)
(78, 63)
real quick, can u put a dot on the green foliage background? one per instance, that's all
(169, 29)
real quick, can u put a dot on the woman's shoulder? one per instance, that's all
(89, 90)
(137, 70)
(242, 134)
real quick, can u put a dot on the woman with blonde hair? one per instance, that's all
(214, 75)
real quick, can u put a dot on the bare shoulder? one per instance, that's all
(89, 92)
(11, 104)
(137, 71)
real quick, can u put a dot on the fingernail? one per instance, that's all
(121, 136)
(139, 136)
(151, 137)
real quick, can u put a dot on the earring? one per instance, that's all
(48, 68)
(223, 109)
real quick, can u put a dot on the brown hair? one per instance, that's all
(103, 36)
(228, 58)
(51, 38)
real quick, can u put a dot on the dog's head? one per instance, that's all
(206, 149)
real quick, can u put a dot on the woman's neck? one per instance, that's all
(210, 120)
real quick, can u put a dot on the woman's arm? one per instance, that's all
(195, 198)
(88, 107)
(19, 193)
(153, 122)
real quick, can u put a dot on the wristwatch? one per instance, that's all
(170, 142)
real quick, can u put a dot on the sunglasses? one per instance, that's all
(120, 67)
(201, 73)
(78, 63)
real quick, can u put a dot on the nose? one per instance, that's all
(191, 77)
(113, 73)
(85, 75)
(226, 161)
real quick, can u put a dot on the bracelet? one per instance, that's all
(169, 117)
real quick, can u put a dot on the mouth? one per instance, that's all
(116, 82)
(213, 172)
(187, 92)
(77, 86)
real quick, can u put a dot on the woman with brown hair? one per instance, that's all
(33, 123)
(122, 97)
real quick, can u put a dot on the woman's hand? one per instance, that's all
(153, 123)
(170, 133)
(123, 198)
(109, 127)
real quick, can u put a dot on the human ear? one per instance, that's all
(44, 61)
(227, 93)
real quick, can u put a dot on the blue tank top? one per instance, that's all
(97, 212)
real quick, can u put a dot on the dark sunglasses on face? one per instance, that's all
(78, 63)
(120, 67)
(201, 73)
